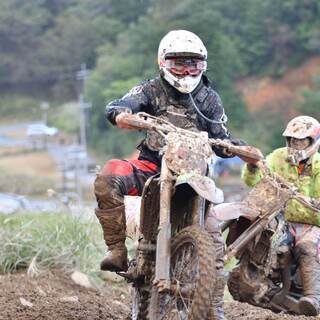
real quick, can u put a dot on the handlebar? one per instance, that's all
(144, 121)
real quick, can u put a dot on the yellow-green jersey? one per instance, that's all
(308, 184)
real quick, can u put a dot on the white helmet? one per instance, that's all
(182, 43)
(300, 128)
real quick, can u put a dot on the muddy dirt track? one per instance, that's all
(53, 296)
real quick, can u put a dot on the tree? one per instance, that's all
(105, 138)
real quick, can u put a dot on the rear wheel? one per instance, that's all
(192, 273)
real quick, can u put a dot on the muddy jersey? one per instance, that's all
(160, 99)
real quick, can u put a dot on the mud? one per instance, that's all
(243, 311)
(53, 296)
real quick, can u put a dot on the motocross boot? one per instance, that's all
(113, 222)
(309, 305)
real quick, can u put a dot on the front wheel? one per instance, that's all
(193, 273)
(140, 303)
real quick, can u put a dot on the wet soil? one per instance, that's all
(243, 311)
(53, 296)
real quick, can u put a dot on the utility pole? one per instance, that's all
(44, 106)
(82, 76)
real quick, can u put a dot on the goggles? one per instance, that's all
(185, 66)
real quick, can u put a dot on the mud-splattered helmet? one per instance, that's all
(182, 59)
(302, 127)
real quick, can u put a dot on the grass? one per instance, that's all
(50, 241)
(43, 241)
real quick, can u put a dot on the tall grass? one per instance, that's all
(50, 241)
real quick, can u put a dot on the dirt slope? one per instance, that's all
(244, 311)
(53, 296)
(279, 94)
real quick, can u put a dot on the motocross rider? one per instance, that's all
(182, 95)
(299, 163)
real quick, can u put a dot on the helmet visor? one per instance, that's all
(185, 66)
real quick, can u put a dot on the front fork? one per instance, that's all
(163, 253)
(198, 211)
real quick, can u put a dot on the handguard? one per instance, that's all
(246, 153)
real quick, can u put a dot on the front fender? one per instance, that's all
(203, 186)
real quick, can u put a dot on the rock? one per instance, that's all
(81, 279)
(26, 303)
(70, 299)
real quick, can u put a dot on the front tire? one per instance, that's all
(140, 303)
(193, 270)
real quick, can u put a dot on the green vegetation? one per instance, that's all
(266, 134)
(50, 241)
(16, 108)
(44, 42)
(120, 142)
(243, 38)
(65, 118)
(311, 103)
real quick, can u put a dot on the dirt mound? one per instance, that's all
(243, 311)
(53, 295)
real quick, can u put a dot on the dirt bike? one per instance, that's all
(173, 271)
(266, 275)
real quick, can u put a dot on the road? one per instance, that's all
(6, 140)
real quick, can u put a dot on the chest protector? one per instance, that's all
(179, 112)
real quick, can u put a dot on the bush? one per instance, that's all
(66, 117)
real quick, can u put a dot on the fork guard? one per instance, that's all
(202, 185)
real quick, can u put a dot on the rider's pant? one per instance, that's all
(306, 244)
(119, 178)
